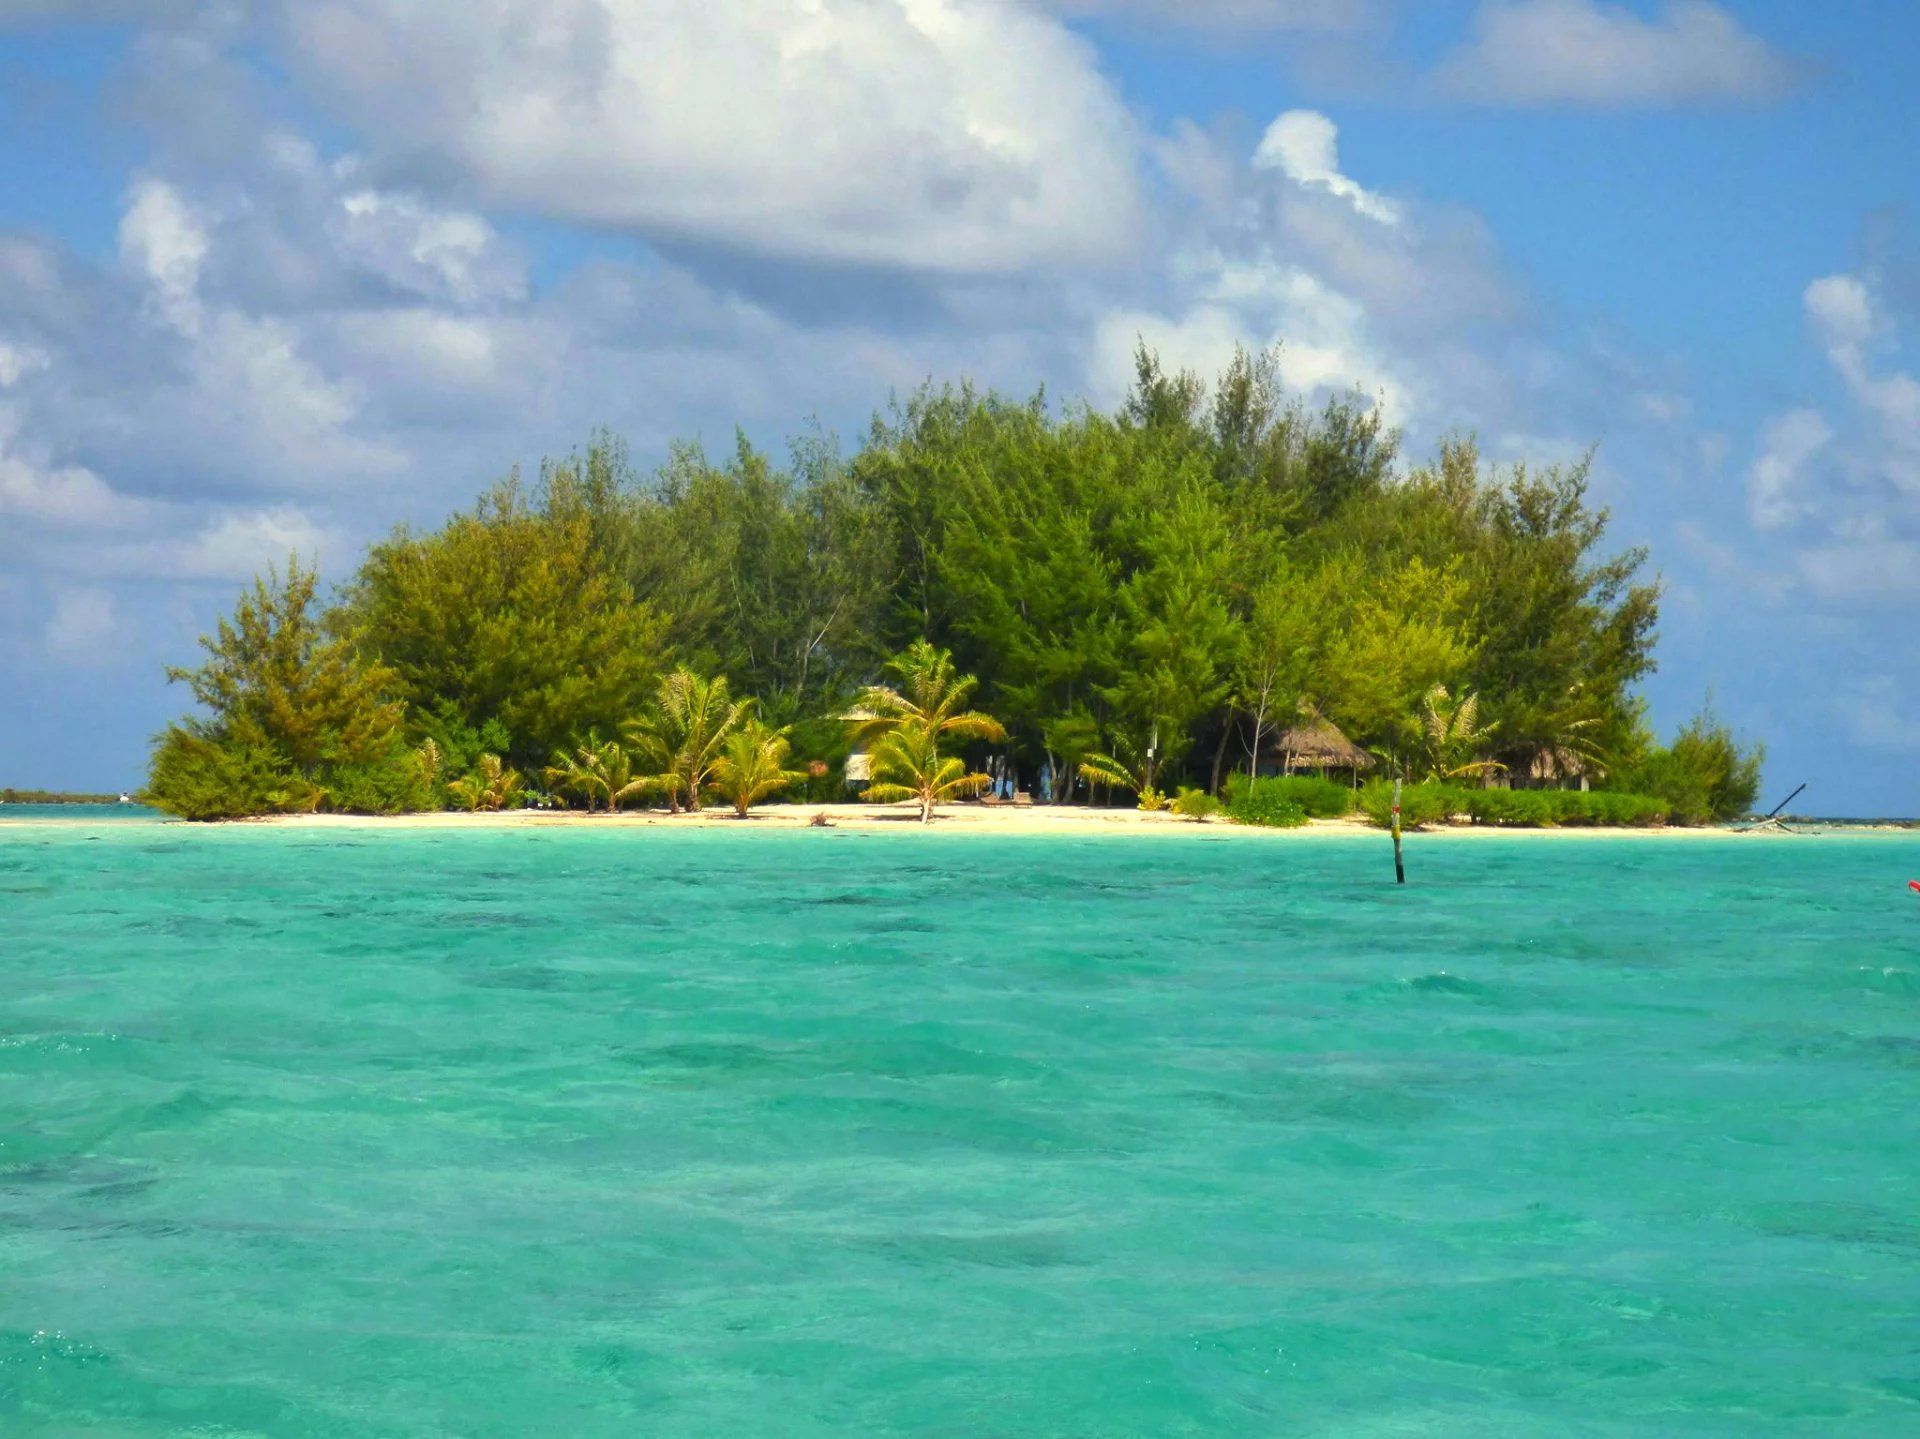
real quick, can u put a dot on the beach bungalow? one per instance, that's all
(1551, 767)
(1544, 767)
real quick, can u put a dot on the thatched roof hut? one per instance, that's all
(1551, 766)
(1316, 743)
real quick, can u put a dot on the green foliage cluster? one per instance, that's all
(911, 725)
(1196, 804)
(1275, 803)
(1550, 808)
(1128, 768)
(48, 796)
(1314, 797)
(298, 718)
(1704, 776)
(1420, 804)
(752, 766)
(695, 742)
(1148, 598)
(490, 785)
(1434, 803)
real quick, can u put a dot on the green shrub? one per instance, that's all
(298, 719)
(1703, 777)
(1637, 811)
(208, 777)
(195, 776)
(1670, 777)
(1195, 804)
(393, 783)
(1317, 798)
(456, 747)
(1547, 808)
(1517, 808)
(1420, 804)
(1265, 802)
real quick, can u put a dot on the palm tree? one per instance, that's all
(929, 698)
(909, 724)
(595, 769)
(680, 739)
(1452, 736)
(752, 765)
(1126, 768)
(489, 786)
(907, 765)
(429, 754)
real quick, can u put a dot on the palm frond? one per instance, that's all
(907, 764)
(973, 725)
(680, 737)
(752, 765)
(1105, 769)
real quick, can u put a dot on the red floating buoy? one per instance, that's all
(1914, 885)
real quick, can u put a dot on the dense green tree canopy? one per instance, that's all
(509, 614)
(296, 718)
(1186, 577)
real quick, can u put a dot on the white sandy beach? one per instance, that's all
(973, 819)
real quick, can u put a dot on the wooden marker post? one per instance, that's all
(1399, 864)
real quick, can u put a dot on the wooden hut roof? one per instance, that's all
(1318, 742)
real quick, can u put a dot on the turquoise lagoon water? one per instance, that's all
(816, 1133)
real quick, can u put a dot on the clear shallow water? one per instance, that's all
(73, 813)
(565, 1133)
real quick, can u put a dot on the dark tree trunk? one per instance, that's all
(1220, 753)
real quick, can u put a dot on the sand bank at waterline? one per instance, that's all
(951, 819)
(1039, 820)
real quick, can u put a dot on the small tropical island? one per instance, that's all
(10, 795)
(1214, 602)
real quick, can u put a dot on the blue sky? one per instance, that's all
(278, 275)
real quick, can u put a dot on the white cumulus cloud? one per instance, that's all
(956, 136)
(1324, 338)
(163, 239)
(239, 544)
(1591, 53)
(33, 487)
(59, 494)
(1778, 477)
(450, 255)
(1304, 145)
(248, 377)
(1231, 15)
(1843, 311)
(1407, 304)
(1847, 477)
